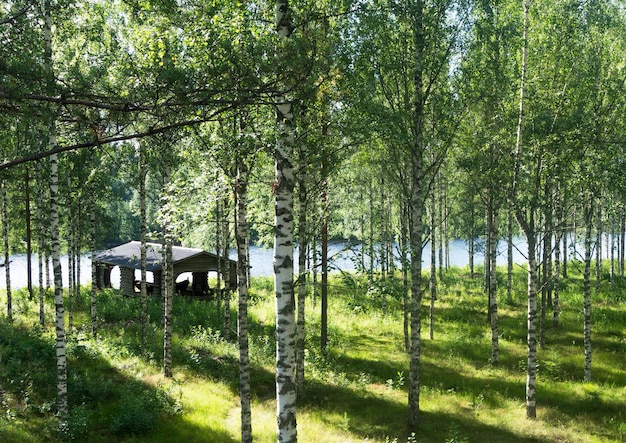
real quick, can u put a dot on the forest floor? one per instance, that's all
(356, 392)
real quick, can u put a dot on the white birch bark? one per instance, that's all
(61, 357)
(527, 222)
(433, 266)
(226, 293)
(283, 253)
(302, 269)
(40, 242)
(416, 211)
(531, 375)
(588, 213)
(142, 216)
(168, 283)
(94, 274)
(69, 204)
(493, 295)
(242, 238)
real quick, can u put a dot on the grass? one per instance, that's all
(356, 392)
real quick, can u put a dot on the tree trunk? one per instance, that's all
(492, 253)
(531, 376)
(509, 258)
(283, 252)
(433, 263)
(622, 252)
(440, 225)
(470, 253)
(7, 255)
(588, 214)
(70, 250)
(29, 247)
(612, 254)
(242, 238)
(143, 172)
(94, 245)
(302, 271)
(371, 235)
(226, 292)
(168, 283)
(526, 222)
(599, 249)
(416, 211)
(405, 277)
(324, 240)
(40, 242)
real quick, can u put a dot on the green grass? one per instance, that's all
(356, 392)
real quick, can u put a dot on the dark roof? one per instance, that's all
(128, 255)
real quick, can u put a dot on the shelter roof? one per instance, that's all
(129, 255)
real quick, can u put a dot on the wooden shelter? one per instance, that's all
(128, 258)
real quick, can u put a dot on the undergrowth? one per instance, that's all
(356, 391)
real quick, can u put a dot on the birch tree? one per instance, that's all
(526, 219)
(283, 247)
(242, 237)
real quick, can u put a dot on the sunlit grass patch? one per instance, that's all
(355, 392)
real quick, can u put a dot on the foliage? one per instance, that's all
(116, 391)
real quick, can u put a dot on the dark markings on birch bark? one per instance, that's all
(242, 239)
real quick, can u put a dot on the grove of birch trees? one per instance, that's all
(388, 124)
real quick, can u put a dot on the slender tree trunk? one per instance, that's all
(94, 245)
(415, 229)
(546, 293)
(383, 235)
(416, 211)
(242, 238)
(70, 251)
(405, 277)
(302, 270)
(433, 264)
(371, 235)
(40, 242)
(7, 255)
(564, 257)
(143, 171)
(226, 292)
(622, 249)
(588, 214)
(440, 225)
(218, 253)
(531, 378)
(470, 253)
(283, 252)
(168, 283)
(315, 266)
(447, 224)
(509, 258)
(62, 401)
(526, 222)
(557, 281)
(493, 295)
(599, 249)
(29, 247)
(324, 240)
(612, 254)
(487, 262)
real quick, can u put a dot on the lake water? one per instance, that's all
(261, 262)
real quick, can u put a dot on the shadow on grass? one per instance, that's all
(106, 405)
(367, 415)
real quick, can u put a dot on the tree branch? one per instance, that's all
(97, 142)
